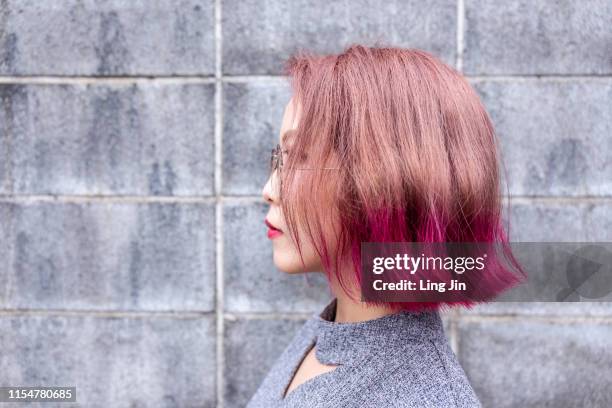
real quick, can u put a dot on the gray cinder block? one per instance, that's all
(252, 282)
(554, 134)
(251, 347)
(531, 363)
(108, 256)
(532, 221)
(253, 113)
(134, 139)
(153, 361)
(543, 37)
(258, 36)
(108, 38)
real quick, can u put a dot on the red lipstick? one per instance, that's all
(273, 232)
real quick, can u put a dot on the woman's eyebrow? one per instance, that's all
(285, 137)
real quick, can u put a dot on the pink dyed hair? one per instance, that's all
(415, 156)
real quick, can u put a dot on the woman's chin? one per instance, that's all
(294, 266)
(287, 264)
(288, 267)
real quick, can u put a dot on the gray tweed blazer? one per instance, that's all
(399, 360)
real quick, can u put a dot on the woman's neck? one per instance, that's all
(351, 311)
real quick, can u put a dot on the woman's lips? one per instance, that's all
(273, 232)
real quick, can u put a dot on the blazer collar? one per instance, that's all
(343, 343)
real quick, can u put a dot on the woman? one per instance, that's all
(376, 145)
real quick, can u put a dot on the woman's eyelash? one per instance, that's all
(301, 156)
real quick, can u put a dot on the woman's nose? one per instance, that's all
(269, 194)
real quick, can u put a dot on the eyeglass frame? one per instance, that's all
(276, 160)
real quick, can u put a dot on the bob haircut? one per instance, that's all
(413, 157)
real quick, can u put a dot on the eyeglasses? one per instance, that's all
(276, 160)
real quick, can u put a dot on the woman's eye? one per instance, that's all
(299, 157)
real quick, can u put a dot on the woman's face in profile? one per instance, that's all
(286, 256)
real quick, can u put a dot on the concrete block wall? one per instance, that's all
(134, 141)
